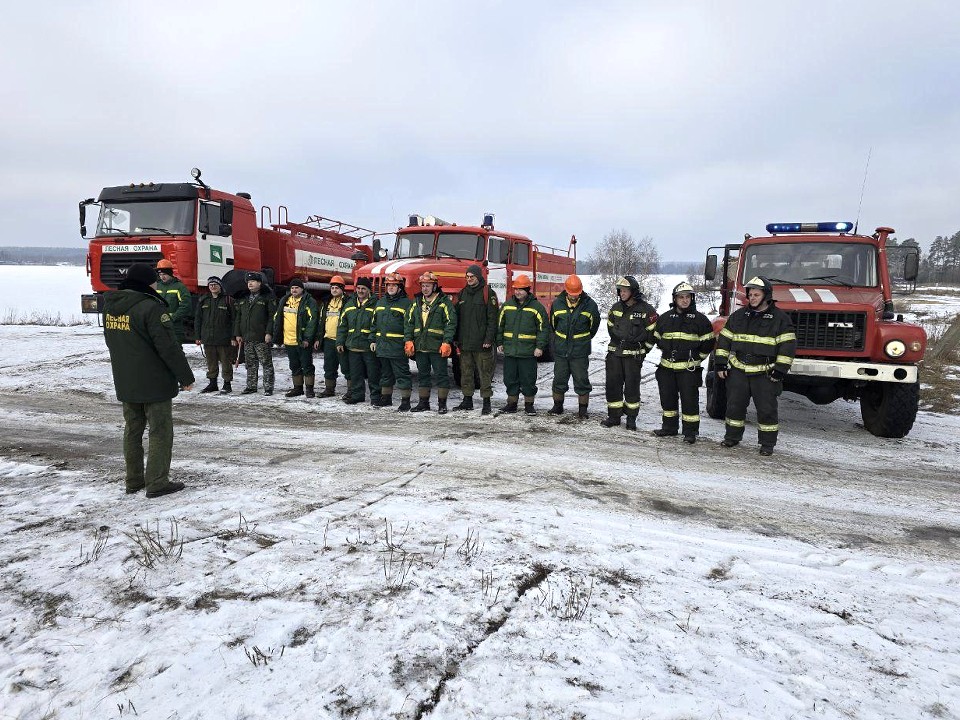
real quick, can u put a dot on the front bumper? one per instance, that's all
(853, 370)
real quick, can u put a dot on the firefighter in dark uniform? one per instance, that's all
(430, 329)
(389, 324)
(754, 354)
(523, 333)
(630, 323)
(685, 338)
(575, 319)
(354, 335)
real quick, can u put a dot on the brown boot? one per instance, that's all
(297, 389)
(557, 408)
(583, 401)
(329, 388)
(308, 386)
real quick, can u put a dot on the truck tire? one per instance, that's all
(889, 409)
(716, 393)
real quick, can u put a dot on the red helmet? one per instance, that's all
(337, 280)
(429, 277)
(164, 265)
(573, 285)
(522, 281)
(393, 279)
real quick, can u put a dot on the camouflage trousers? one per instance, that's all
(254, 355)
(159, 417)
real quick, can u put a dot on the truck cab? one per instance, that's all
(836, 287)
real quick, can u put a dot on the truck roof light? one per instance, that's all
(488, 221)
(195, 173)
(415, 221)
(434, 220)
(821, 227)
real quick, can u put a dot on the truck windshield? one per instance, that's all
(146, 218)
(813, 263)
(454, 245)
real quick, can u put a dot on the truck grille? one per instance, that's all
(829, 330)
(113, 266)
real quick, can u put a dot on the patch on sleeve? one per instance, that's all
(165, 319)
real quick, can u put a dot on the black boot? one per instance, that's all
(329, 388)
(690, 439)
(486, 409)
(664, 432)
(423, 404)
(632, 422)
(385, 401)
(557, 408)
(211, 387)
(442, 406)
(248, 390)
(226, 388)
(465, 404)
(528, 408)
(510, 407)
(308, 391)
(612, 420)
(294, 392)
(582, 412)
(404, 405)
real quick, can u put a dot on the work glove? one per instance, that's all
(408, 348)
(445, 350)
(777, 375)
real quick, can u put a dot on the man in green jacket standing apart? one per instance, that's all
(522, 336)
(477, 312)
(177, 297)
(149, 369)
(430, 328)
(213, 326)
(295, 324)
(575, 319)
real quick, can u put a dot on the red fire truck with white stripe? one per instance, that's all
(836, 287)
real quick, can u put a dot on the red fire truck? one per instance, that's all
(205, 232)
(836, 287)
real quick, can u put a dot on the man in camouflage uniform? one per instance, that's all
(254, 316)
(149, 370)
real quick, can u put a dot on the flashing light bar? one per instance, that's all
(822, 227)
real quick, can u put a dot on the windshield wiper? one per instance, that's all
(113, 229)
(831, 278)
(445, 253)
(782, 281)
(163, 230)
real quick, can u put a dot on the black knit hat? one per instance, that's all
(297, 282)
(365, 282)
(215, 279)
(140, 276)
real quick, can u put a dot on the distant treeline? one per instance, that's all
(673, 267)
(42, 256)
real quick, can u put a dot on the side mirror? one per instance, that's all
(710, 268)
(376, 248)
(911, 267)
(83, 216)
(225, 230)
(226, 213)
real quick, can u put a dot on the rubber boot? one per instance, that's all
(211, 387)
(612, 419)
(583, 401)
(486, 409)
(424, 403)
(632, 422)
(297, 389)
(465, 404)
(386, 397)
(404, 404)
(528, 407)
(557, 408)
(226, 388)
(329, 388)
(511, 406)
(664, 432)
(690, 439)
(308, 386)
(441, 406)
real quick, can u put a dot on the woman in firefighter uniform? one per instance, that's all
(630, 323)
(390, 316)
(685, 338)
(754, 354)
(429, 332)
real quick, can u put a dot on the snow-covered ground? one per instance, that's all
(51, 290)
(350, 562)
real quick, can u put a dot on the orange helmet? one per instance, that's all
(522, 281)
(572, 285)
(337, 280)
(428, 277)
(393, 279)
(164, 265)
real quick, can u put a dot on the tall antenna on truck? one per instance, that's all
(862, 187)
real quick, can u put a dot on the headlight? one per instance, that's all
(916, 346)
(895, 348)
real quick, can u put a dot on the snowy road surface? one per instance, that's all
(350, 562)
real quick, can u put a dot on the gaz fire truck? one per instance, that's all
(205, 232)
(836, 287)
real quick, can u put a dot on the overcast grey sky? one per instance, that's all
(691, 122)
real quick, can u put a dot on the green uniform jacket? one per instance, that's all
(757, 341)
(179, 301)
(307, 317)
(390, 318)
(478, 310)
(213, 323)
(355, 331)
(523, 328)
(685, 338)
(631, 328)
(573, 327)
(441, 325)
(253, 316)
(147, 359)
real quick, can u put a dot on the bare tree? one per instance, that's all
(619, 254)
(707, 296)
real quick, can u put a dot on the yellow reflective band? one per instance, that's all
(690, 418)
(723, 352)
(521, 336)
(618, 313)
(680, 336)
(707, 336)
(670, 413)
(784, 360)
(758, 339)
(768, 428)
(651, 326)
(560, 335)
(584, 312)
(397, 335)
(559, 312)
(435, 331)
(786, 337)
(397, 310)
(679, 364)
(749, 369)
(509, 335)
(726, 333)
(616, 404)
(734, 423)
(632, 406)
(581, 335)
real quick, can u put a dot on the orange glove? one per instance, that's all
(408, 348)
(445, 350)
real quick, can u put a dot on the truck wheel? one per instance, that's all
(716, 393)
(889, 409)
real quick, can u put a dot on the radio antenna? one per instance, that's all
(862, 188)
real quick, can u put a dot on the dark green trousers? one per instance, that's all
(159, 417)
(432, 370)
(564, 368)
(395, 372)
(364, 367)
(300, 359)
(333, 361)
(520, 376)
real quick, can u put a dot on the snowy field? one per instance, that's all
(329, 561)
(28, 289)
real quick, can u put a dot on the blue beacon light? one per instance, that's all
(822, 227)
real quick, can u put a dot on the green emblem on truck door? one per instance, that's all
(216, 254)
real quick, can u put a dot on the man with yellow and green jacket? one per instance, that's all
(176, 295)
(429, 331)
(522, 336)
(295, 324)
(354, 337)
(390, 318)
(575, 319)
